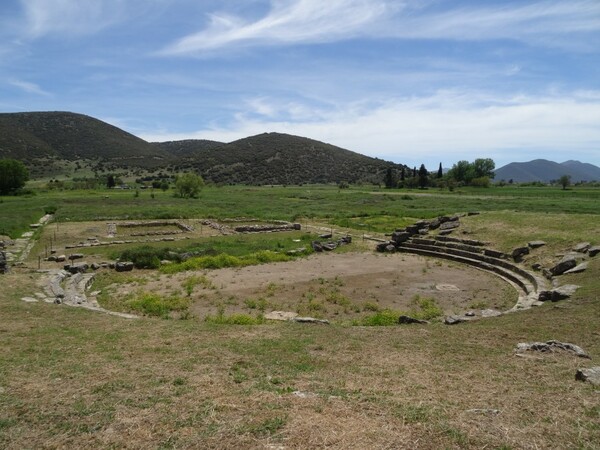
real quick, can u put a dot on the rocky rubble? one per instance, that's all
(319, 246)
(267, 228)
(3, 260)
(551, 346)
(591, 375)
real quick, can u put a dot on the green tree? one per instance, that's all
(13, 175)
(440, 172)
(465, 172)
(390, 179)
(462, 172)
(188, 185)
(423, 176)
(110, 181)
(484, 167)
(565, 181)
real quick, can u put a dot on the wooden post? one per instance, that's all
(39, 262)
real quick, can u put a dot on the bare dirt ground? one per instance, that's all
(334, 286)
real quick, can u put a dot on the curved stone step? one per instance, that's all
(472, 242)
(440, 253)
(531, 278)
(526, 284)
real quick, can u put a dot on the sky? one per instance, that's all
(409, 81)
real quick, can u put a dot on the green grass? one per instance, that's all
(235, 245)
(72, 378)
(235, 319)
(224, 260)
(363, 208)
(156, 305)
(424, 309)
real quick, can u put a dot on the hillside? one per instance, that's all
(189, 148)
(35, 136)
(51, 143)
(546, 171)
(275, 158)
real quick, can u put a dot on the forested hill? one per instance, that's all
(49, 142)
(276, 158)
(73, 137)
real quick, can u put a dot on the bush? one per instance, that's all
(147, 257)
(13, 175)
(481, 182)
(188, 185)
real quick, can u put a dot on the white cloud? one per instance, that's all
(288, 21)
(314, 21)
(79, 17)
(30, 88)
(529, 21)
(446, 126)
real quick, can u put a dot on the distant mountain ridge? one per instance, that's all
(49, 139)
(547, 171)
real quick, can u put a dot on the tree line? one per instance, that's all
(463, 173)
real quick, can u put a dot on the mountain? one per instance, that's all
(586, 171)
(61, 143)
(546, 171)
(276, 158)
(189, 148)
(34, 137)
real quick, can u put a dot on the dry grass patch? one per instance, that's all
(73, 378)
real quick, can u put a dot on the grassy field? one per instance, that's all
(360, 208)
(71, 378)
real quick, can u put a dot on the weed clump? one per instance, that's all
(383, 318)
(235, 319)
(156, 305)
(428, 309)
(225, 260)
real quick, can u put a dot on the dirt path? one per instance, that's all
(339, 286)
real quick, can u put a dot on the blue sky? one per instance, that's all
(408, 81)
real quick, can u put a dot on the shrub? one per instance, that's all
(481, 182)
(146, 257)
(13, 175)
(188, 185)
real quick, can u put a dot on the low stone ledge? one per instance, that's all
(551, 346)
(591, 375)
